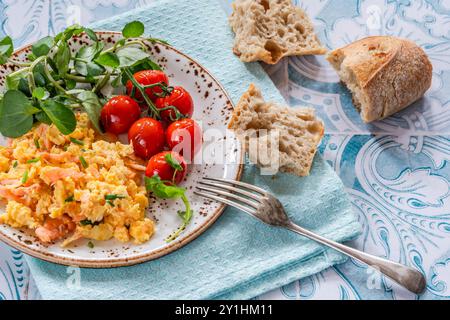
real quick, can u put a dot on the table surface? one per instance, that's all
(395, 171)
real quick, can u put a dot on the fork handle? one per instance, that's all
(406, 276)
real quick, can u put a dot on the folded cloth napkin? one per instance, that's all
(238, 257)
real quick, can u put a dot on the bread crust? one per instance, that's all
(385, 74)
(243, 102)
(300, 132)
(268, 30)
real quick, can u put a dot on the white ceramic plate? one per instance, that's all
(213, 108)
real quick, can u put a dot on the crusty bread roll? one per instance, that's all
(268, 30)
(385, 74)
(299, 131)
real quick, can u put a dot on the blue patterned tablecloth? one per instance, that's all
(396, 171)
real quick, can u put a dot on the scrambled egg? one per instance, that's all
(77, 185)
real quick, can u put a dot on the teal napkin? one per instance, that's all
(238, 257)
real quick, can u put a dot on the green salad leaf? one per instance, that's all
(16, 114)
(164, 190)
(161, 189)
(12, 81)
(92, 106)
(61, 116)
(42, 117)
(6, 49)
(24, 86)
(39, 78)
(86, 55)
(133, 29)
(68, 33)
(146, 64)
(55, 80)
(130, 56)
(108, 59)
(40, 93)
(62, 59)
(42, 47)
(91, 34)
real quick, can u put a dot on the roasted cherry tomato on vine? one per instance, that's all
(168, 165)
(178, 98)
(146, 78)
(184, 136)
(119, 113)
(147, 137)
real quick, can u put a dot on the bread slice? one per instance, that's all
(385, 74)
(299, 132)
(268, 30)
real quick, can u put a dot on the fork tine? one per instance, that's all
(239, 183)
(249, 202)
(231, 188)
(225, 201)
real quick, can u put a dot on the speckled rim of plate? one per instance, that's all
(124, 262)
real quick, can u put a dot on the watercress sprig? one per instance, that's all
(165, 190)
(55, 81)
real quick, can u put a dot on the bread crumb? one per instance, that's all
(268, 30)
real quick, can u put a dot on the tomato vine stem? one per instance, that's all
(152, 108)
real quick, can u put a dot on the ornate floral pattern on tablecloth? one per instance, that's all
(396, 171)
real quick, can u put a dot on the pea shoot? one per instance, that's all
(162, 190)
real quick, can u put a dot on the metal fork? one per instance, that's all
(265, 207)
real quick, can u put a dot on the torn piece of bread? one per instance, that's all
(299, 132)
(385, 74)
(268, 30)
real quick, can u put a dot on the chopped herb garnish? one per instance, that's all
(15, 164)
(110, 203)
(25, 177)
(87, 222)
(90, 245)
(114, 196)
(36, 143)
(83, 162)
(76, 141)
(70, 199)
(34, 160)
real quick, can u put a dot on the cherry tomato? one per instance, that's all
(148, 77)
(119, 113)
(184, 136)
(159, 165)
(179, 98)
(147, 137)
